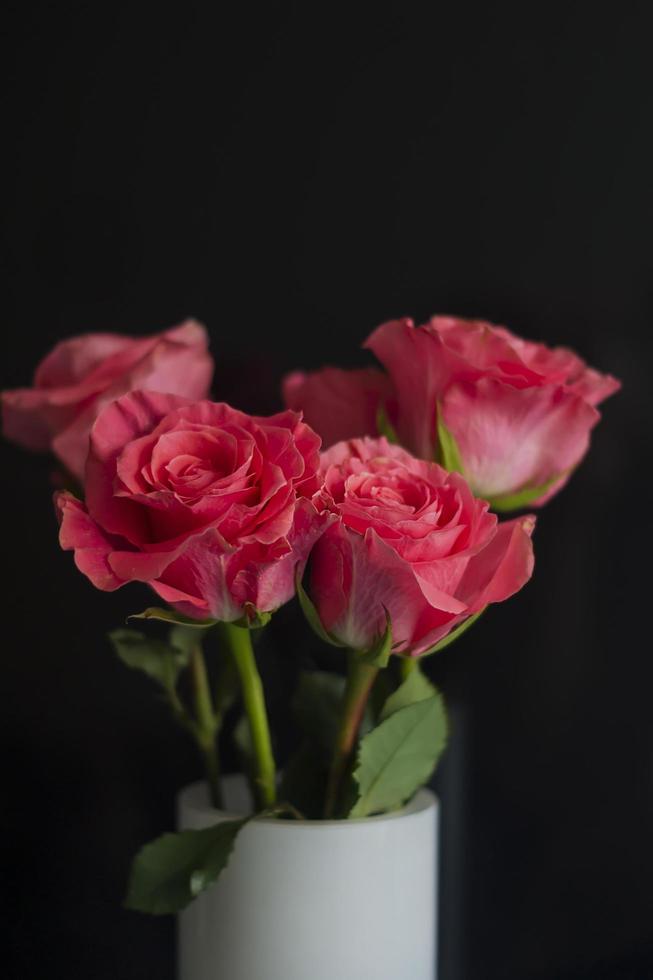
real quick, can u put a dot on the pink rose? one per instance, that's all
(412, 540)
(342, 404)
(520, 413)
(82, 374)
(211, 507)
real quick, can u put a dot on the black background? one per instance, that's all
(293, 176)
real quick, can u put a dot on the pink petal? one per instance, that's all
(140, 566)
(354, 579)
(177, 364)
(187, 605)
(275, 580)
(338, 404)
(203, 570)
(75, 358)
(29, 419)
(439, 581)
(92, 547)
(71, 444)
(476, 348)
(419, 366)
(128, 418)
(510, 438)
(501, 568)
(595, 387)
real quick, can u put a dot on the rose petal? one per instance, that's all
(80, 533)
(418, 364)
(595, 387)
(511, 438)
(128, 418)
(339, 404)
(500, 569)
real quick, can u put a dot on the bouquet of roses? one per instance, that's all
(374, 498)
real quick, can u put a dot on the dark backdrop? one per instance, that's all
(293, 180)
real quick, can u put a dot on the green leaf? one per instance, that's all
(398, 756)
(311, 614)
(449, 455)
(379, 653)
(384, 426)
(454, 635)
(160, 661)
(521, 499)
(415, 688)
(184, 639)
(170, 616)
(172, 870)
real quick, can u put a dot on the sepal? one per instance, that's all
(311, 614)
(170, 616)
(161, 661)
(454, 635)
(379, 653)
(448, 452)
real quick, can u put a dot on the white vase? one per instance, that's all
(315, 900)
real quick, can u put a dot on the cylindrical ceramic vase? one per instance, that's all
(315, 900)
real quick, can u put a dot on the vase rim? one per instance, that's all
(195, 797)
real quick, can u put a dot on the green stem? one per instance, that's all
(206, 723)
(239, 642)
(360, 678)
(407, 665)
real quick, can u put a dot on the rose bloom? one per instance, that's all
(82, 374)
(413, 540)
(345, 404)
(212, 508)
(520, 413)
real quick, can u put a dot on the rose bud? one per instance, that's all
(82, 374)
(411, 543)
(213, 508)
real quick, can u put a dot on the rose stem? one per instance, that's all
(207, 723)
(407, 665)
(360, 677)
(239, 641)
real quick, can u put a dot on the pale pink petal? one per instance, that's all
(511, 439)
